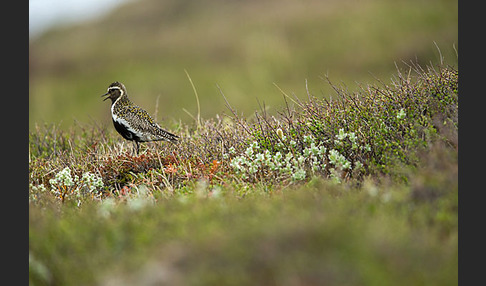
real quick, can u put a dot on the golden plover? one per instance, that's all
(131, 121)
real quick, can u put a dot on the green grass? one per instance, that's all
(242, 46)
(364, 192)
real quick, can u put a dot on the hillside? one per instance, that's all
(326, 150)
(241, 46)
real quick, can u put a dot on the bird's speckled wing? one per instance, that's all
(147, 129)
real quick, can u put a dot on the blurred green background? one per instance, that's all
(244, 47)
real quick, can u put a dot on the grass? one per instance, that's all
(360, 189)
(241, 46)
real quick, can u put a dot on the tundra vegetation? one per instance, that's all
(359, 188)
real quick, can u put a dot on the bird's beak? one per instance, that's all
(107, 96)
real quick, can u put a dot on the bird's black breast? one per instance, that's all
(123, 130)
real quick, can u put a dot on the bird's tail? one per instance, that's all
(166, 135)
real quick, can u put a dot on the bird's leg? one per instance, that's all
(136, 147)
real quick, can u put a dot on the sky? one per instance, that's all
(44, 14)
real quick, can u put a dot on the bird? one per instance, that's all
(131, 121)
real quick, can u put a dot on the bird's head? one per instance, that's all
(115, 90)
